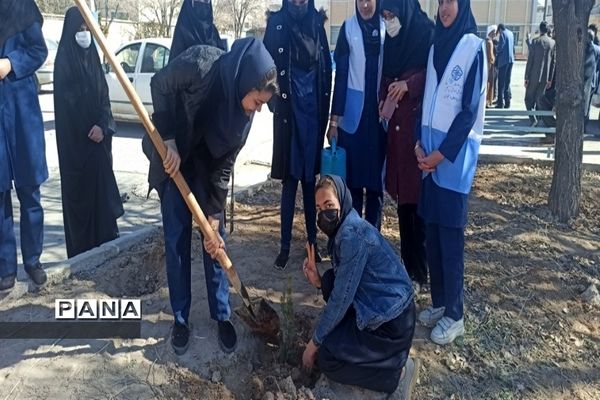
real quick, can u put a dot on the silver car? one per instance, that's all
(44, 75)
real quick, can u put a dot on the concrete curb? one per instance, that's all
(57, 272)
(504, 159)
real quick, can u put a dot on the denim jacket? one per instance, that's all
(368, 275)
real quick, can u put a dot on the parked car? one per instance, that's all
(140, 59)
(44, 75)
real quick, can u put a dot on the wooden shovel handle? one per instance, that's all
(157, 141)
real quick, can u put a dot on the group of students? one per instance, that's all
(408, 105)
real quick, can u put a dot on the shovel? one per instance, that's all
(257, 321)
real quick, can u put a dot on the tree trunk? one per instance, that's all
(570, 23)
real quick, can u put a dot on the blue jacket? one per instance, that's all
(368, 275)
(22, 144)
(506, 49)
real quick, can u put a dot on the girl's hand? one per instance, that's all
(332, 133)
(429, 163)
(5, 68)
(95, 134)
(309, 267)
(397, 90)
(310, 355)
(172, 160)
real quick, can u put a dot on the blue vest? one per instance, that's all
(355, 94)
(441, 104)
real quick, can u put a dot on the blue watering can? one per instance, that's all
(333, 160)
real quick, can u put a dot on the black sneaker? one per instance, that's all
(282, 260)
(180, 338)
(227, 336)
(8, 282)
(36, 273)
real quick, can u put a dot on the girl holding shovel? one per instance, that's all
(204, 101)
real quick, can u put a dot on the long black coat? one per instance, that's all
(277, 43)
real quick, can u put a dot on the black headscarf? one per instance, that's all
(16, 16)
(81, 67)
(345, 198)
(410, 48)
(304, 36)
(194, 26)
(446, 39)
(241, 70)
(370, 30)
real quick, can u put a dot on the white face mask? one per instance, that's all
(392, 26)
(83, 39)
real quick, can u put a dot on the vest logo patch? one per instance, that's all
(457, 73)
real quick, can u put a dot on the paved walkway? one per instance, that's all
(252, 167)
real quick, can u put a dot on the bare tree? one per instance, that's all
(238, 16)
(107, 12)
(159, 15)
(570, 21)
(54, 6)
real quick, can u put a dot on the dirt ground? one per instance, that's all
(529, 335)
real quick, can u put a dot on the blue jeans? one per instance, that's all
(177, 226)
(31, 226)
(373, 205)
(445, 256)
(288, 205)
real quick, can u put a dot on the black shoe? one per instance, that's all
(507, 105)
(8, 282)
(180, 338)
(36, 273)
(227, 336)
(282, 260)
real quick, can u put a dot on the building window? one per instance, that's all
(334, 33)
(481, 31)
(516, 30)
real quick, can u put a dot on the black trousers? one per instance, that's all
(369, 359)
(412, 242)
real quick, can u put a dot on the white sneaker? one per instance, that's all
(447, 330)
(430, 316)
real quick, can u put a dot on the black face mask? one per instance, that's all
(328, 221)
(298, 12)
(202, 10)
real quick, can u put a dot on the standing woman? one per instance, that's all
(491, 60)
(84, 130)
(295, 38)
(359, 57)
(409, 35)
(194, 26)
(22, 143)
(447, 151)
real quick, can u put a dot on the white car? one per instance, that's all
(140, 59)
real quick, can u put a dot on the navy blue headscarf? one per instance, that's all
(446, 39)
(194, 26)
(411, 47)
(345, 198)
(370, 29)
(241, 70)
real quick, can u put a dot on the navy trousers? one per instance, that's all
(31, 226)
(369, 359)
(177, 226)
(445, 256)
(373, 205)
(504, 92)
(288, 206)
